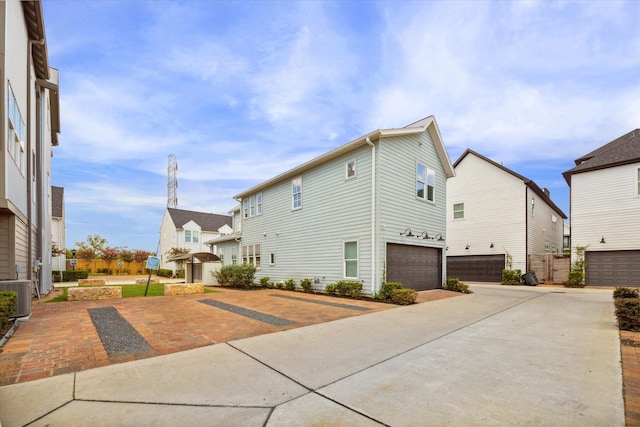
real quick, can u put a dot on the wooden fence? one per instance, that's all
(550, 268)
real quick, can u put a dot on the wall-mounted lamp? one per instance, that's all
(467, 247)
(424, 235)
(439, 237)
(602, 240)
(491, 245)
(407, 232)
(265, 234)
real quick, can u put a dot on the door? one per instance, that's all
(612, 268)
(476, 268)
(416, 267)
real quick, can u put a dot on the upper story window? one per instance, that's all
(252, 205)
(554, 221)
(425, 182)
(16, 132)
(296, 193)
(187, 236)
(458, 210)
(351, 169)
(191, 236)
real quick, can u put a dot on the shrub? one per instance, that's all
(343, 288)
(280, 285)
(164, 272)
(454, 284)
(236, 275)
(403, 296)
(290, 285)
(626, 293)
(576, 279)
(387, 289)
(223, 275)
(264, 281)
(8, 302)
(628, 313)
(306, 284)
(70, 275)
(180, 274)
(511, 277)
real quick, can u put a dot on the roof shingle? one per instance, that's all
(206, 221)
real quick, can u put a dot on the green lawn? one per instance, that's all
(131, 291)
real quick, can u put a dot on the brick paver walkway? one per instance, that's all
(61, 337)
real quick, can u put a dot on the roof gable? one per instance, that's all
(206, 221)
(620, 151)
(428, 124)
(528, 182)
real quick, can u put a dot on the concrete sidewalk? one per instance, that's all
(502, 356)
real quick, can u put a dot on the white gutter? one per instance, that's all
(374, 243)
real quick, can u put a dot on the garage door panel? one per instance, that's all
(612, 268)
(416, 267)
(479, 268)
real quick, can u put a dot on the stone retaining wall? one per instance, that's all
(144, 281)
(183, 288)
(91, 282)
(93, 293)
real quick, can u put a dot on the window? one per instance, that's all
(187, 236)
(252, 206)
(458, 210)
(221, 255)
(259, 204)
(16, 132)
(195, 236)
(351, 259)
(554, 221)
(425, 182)
(245, 207)
(296, 193)
(351, 169)
(251, 255)
(234, 256)
(638, 186)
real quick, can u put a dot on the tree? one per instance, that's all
(86, 254)
(140, 255)
(95, 242)
(125, 255)
(178, 251)
(109, 255)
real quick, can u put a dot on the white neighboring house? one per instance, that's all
(189, 230)
(369, 211)
(605, 211)
(496, 217)
(58, 227)
(30, 125)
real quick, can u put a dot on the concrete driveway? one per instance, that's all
(501, 356)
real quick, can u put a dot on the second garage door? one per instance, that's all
(416, 267)
(613, 268)
(476, 268)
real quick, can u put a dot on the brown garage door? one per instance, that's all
(477, 268)
(613, 268)
(416, 267)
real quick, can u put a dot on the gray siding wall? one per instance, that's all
(308, 242)
(397, 205)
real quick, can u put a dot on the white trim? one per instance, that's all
(344, 259)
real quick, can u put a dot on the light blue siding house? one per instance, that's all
(372, 210)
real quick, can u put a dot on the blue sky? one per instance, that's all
(242, 91)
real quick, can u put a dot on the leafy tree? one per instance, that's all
(141, 255)
(179, 251)
(55, 250)
(95, 242)
(86, 254)
(125, 255)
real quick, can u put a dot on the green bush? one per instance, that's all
(236, 275)
(70, 275)
(628, 313)
(8, 302)
(306, 284)
(280, 285)
(387, 289)
(164, 272)
(180, 274)
(626, 293)
(576, 279)
(454, 284)
(290, 285)
(403, 296)
(264, 281)
(343, 288)
(511, 277)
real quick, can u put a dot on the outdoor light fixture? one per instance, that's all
(407, 232)
(424, 235)
(602, 240)
(467, 247)
(491, 245)
(439, 237)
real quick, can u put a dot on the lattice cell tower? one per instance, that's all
(172, 182)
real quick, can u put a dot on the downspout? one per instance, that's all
(30, 258)
(374, 243)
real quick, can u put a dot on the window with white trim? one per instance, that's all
(351, 169)
(187, 236)
(458, 210)
(259, 204)
(245, 207)
(351, 259)
(195, 236)
(234, 256)
(296, 193)
(252, 205)
(425, 182)
(251, 255)
(16, 132)
(554, 221)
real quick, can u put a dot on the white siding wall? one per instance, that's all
(605, 203)
(309, 242)
(494, 212)
(544, 236)
(168, 240)
(397, 207)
